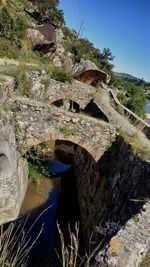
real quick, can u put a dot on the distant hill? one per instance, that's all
(127, 76)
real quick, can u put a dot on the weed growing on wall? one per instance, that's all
(61, 75)
(67, 130)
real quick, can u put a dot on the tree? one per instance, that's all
(137, 100)
(7, 24)
(10, 28)
(132, 96)
(49, 12)
(106, 55)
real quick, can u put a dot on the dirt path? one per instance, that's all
(6, 61)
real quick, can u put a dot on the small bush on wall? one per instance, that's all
(61, 75)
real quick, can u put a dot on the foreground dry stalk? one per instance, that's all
(15, 243)
(70, 253)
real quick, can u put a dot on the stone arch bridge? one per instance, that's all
(110, 175)
(34, 122)
(78, 92)
(37, 122)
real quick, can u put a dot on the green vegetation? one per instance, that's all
(14, 21)
(137, 146)
(135, 218)
(34, 172)
(61, 75)
(131, 95)
(86, 50)
(23, 82)
(2, 80)
(47, 11)
(38, 161)
(139, 82)
(67, 130)
(12, 27)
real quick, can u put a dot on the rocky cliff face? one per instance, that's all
(13, 171)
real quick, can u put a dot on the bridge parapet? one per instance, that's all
(77, 92)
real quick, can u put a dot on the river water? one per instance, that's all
(148, 109)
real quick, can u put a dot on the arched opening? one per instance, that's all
(67, 104)
(94, 111)
(62, 188)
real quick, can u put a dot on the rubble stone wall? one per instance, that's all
(114, 189)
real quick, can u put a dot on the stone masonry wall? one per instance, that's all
(108, 189)
(13, 171)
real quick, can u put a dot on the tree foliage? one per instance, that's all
(132, 96)
(83, 48)
(49, 12)
(12, 28)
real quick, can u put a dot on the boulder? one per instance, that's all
(87, 72)
(13, 172)
(43, 38)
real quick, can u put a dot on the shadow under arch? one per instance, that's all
(102, 197)
(82, 104)
(93, 110)
(68, 105)
(69, 201)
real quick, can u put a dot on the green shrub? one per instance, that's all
(68, 130)
(86, 50)
(132, 96)
(7, 49)
(123, 99)
(135, 218)
(12, 28)
(34, 173)
(61, 75)
(23, 82)
(137, 100)
(38, 162)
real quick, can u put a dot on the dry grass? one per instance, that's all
(136, 143)
(70, 256)
(15, 244)
(15, 247)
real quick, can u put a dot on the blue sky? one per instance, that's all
(121, 25)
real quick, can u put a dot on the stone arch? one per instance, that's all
(81, 103)
(52, 136)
